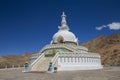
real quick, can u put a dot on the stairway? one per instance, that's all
(42, 64)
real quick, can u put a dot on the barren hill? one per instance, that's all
(108, 47)
(16, 60)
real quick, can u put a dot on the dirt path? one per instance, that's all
(110, 73)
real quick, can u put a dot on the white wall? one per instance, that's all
(78, 63)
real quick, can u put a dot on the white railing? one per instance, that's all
(57, 46)
(71, 47)
(37, 59)
(11, 67)
(54, 59)
(77, 54)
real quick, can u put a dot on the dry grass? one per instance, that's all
(13, 60)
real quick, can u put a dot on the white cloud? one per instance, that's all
(100, 27)
(111, 26)
(114, 26)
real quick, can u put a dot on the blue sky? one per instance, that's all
(28, 25)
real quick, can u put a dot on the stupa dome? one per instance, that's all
(64, 35)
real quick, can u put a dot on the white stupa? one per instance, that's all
(65, 53)
(64, 35)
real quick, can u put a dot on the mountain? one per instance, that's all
(108, 47)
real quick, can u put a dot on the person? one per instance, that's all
(26, 65)
(55, 69)
(50, 67)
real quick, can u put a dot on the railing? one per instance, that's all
(37, 59)
(12, 67)
(55, 59)
(71, 47)
(56, 46)
(77, 54)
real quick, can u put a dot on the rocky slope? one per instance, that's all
(108, 47)
(16, 60)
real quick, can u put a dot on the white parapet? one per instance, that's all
(78, 63)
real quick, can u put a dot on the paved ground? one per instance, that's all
(109, 73)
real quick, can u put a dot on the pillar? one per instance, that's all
(76, 59)
(73, 59)
(70, 59)
(63, 59)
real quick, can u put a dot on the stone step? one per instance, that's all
(42, 65)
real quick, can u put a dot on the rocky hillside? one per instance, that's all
(15, 60)
(108, 47)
